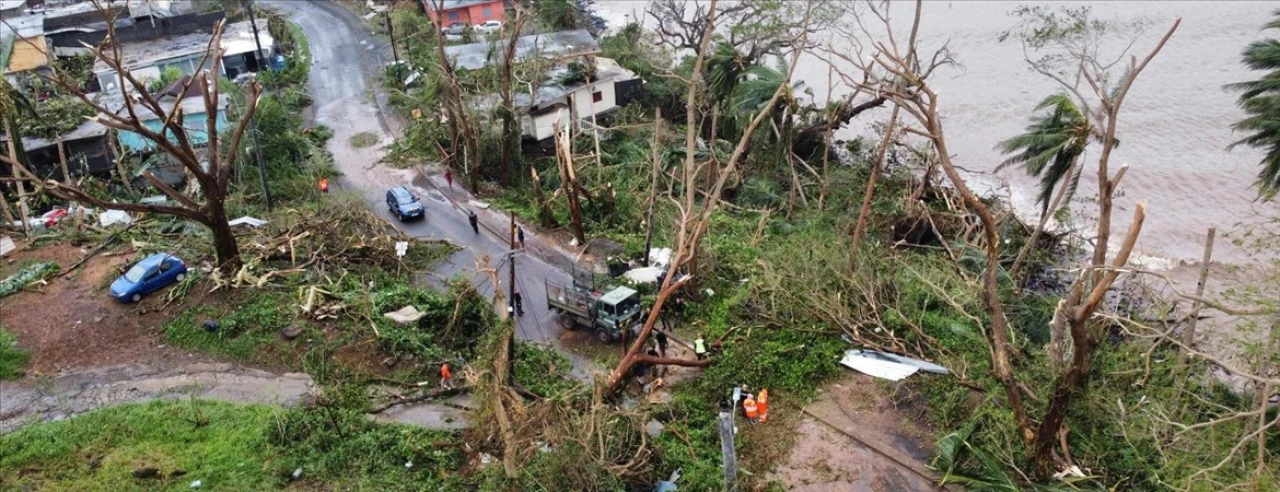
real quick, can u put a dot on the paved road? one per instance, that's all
(346, 60)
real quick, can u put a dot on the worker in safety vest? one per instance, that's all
(446, 376)
(752, 410)
(324, 185)
(762, 401)
(700, 347)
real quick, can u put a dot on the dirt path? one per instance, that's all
(36, 399)
(853, 437)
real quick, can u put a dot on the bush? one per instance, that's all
(13, 359)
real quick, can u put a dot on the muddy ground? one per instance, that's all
(854, 437)
(70, 323)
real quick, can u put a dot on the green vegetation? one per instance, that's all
(226, 447)
(13, 359)
(25, 276)
(1257, 99)
(363, 139)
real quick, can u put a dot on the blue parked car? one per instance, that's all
(402, 203)
(147, 276)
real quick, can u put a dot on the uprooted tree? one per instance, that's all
(211, 166)
(901, 74)
(694, 217)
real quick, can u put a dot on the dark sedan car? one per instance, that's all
(403, 203)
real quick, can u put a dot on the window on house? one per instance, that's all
(488, 12)
(453, 16)
(597, 97)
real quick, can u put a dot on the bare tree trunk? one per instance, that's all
(826, 144)
(545, 217)
(859, 229)
(1044, 220)
(1084, 345)
(1189, 336)
(66, 179)
(656, 150)
(4, 209)
(23, 210)
(569, 183)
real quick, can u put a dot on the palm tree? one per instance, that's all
(1260, 100)
(1050, 147)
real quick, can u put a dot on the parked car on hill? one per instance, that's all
(147, 276)
(455, 29)
(489, 26)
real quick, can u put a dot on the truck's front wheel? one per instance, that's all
(603, 336)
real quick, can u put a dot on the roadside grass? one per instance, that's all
(13, 359)
(226, 447)
(362, 140)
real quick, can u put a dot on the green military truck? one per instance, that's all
(608, 311)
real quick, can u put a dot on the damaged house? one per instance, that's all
(580, 86)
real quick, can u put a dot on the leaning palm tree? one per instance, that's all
(1050, 147)
(1260, 100)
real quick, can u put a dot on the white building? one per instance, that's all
(556, 102)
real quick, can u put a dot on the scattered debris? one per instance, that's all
(210, 325)
(196, 484)
(296, 474)
(478, 204)
(247, 220)
(178, 472)
(644, 275)
(659, 257)
(291, 332)
(668, 485)
(156, 199)
(887, 366)
(112, 217)
(405, 315)
(26, 276)
(654, 428)
(147, 472)
(6, 245)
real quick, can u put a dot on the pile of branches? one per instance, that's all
(573, 443)
(323, 243)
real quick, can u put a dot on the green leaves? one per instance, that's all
(1049, 148)
(1260, 100)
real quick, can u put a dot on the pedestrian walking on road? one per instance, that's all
(446, 376)
(448, 177)
(518, 300)
(475, 221)
(520, 236)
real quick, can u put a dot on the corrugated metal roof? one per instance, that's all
(29, 54)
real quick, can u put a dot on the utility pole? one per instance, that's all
(392, 32)
(511, 346)
(262, 167)
(253, 22)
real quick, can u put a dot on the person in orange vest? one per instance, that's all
(762, 401)
(752, 410)
(324, 185)
(446, 376)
